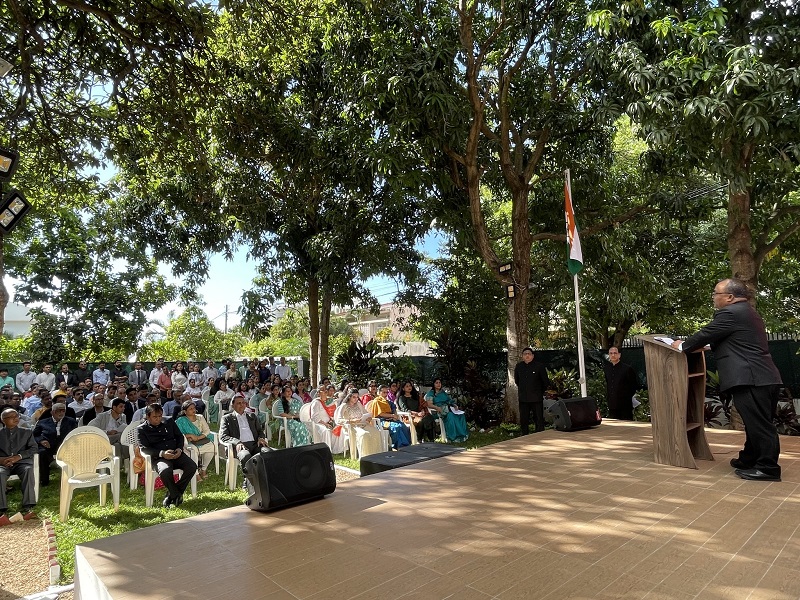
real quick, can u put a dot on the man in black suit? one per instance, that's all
(621, 384)
(739, 342)
(163, 442)
(531, 379)
(17, 448)
(240, 428)
(49, 433)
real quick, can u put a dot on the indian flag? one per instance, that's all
(575, 254)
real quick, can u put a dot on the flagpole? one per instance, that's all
(581, 362)
(575, 264)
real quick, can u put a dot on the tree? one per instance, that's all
(499, 98)
(192, 335)
(78, 68)
(716, 84)
(100, 284)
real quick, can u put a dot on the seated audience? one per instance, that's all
(369, 439)
(49, 433)
(380, 407)
(163, 442)
(17, 447)
(79, 404)
(196, 430)
(151, 398)
(113, 423)
(328, 432)
(223, 397)
(289, 405)
(455, 426)
(240, 428)
(409, 401)
(98, 408)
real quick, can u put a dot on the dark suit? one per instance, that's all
(12, 442)
(71, 380)
(229, 433)
(154, 440)
(532, 382)
(47, 430)
(621, 385)
(739, 342)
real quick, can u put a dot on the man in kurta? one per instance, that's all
(621, 385)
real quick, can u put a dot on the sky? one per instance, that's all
(229, 279)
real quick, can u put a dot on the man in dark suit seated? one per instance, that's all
(162, 441)
(240, 428)
(17, 448)
(49, 433)
(739, 342)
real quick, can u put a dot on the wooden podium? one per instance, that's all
(676, 385)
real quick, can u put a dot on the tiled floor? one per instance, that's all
(556, 516)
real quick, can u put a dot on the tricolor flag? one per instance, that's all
(574, 252)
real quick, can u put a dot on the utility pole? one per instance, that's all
(225, 330)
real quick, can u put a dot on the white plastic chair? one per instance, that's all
(305, 419)
(267, 412)
(35, 476)
(410, 422)
(231, 465)
(150, 475)
(283, 429)
(438, 416)
(81, 456)
(130, 438)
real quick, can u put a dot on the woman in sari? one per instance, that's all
(455, 426)
(408, 400)
(369, 439)
(322, 411)
(289, 405)
(196, 430)
(382, 409)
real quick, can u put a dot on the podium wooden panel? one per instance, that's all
(676, 384)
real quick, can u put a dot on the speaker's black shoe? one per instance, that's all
(179, 500)
(738, 464)
(167, 502)
(756, 475)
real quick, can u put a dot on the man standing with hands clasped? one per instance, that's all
(531, 379)
(739, 342)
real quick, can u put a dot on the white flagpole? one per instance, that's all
(581, 362)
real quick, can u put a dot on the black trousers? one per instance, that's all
(756, 405)
(244, 456)
(525, 410)
(165, 468)
(426, 428)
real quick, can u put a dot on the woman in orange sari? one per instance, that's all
(327, 431)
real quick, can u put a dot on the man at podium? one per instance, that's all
(739, 342)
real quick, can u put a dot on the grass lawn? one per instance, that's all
(89, 521)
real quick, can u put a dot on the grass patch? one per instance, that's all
(89, 521)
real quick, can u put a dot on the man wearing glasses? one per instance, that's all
(739, 342)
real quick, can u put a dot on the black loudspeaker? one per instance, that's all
(280, 478)
(574, 413)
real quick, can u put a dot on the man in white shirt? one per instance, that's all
(284, 370)
(155, 373)
(47, 378)
(25, 378)
(113, 423)
(240, 428)
(210, 371)
(79, 404)
(100, 374)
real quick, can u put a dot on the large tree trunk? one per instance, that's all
(740, 238)
(517, 335)
(324, 335)
(313, 327)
